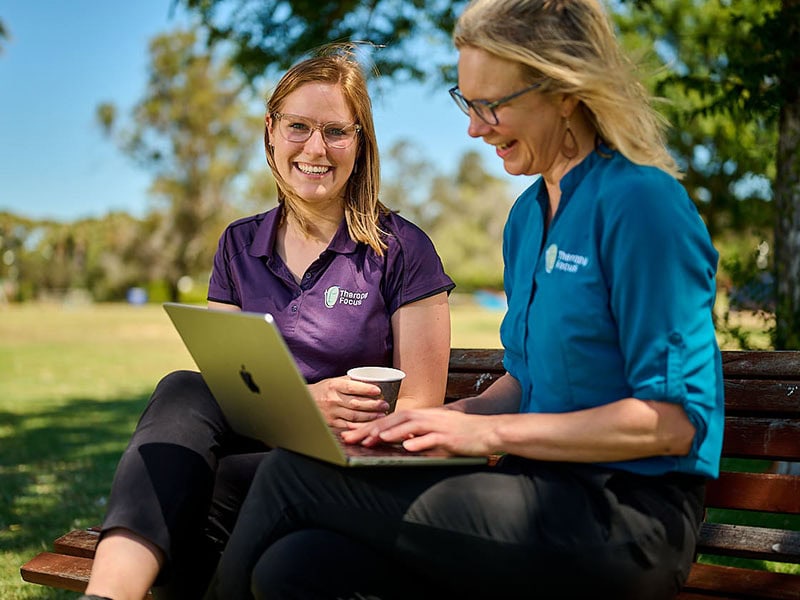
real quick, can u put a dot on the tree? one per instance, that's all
(786, 24)
(463, 213)
(272, 34)
(50, 259)
(737, 67)
(194, 130)
(468, 226)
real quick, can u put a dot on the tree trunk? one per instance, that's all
(787, 201)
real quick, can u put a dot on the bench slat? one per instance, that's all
(761, 437)
(734, 582)
(736, 364)
(77, 542)
(58, 571)
(462, 385)
(744, 541)
(758, 364)
(476, 359)
(776, 397)
(766, 492)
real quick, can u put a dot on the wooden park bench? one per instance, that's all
(752, 512)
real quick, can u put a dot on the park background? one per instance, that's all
(117, 177)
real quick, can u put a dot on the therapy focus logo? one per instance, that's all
(335, 295)
(563, 261)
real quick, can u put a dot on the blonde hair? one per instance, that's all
(336, 64)
(570, 46)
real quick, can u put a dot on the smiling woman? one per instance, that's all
(347, 282)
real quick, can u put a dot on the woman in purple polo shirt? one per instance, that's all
(349, 283)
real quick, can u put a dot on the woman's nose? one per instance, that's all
(316, 143)
(477, 126)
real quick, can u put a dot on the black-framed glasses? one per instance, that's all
(297, 129)
(483, 108)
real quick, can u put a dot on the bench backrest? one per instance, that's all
(762, 397)
(762, 425)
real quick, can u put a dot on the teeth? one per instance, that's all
(502, 146)
(313, 169)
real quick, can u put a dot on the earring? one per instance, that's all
(569, 145)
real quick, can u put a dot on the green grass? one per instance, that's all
(73, 381)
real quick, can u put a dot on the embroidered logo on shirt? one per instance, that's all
(335, 295)
(550, 257)
(563, 261)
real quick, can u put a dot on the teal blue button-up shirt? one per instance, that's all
(615, 300)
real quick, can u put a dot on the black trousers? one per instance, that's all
(522, 529)
(181, 481)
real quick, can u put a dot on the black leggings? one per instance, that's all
(181, 481)
(522, 529)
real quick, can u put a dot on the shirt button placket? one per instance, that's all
(295, 307)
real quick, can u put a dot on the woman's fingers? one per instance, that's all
(359, 388)
(424, 429)
(393, 428)
(346, 402)
(363, 415)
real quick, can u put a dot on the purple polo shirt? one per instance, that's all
(339, 316)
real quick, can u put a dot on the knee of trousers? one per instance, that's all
(181, 392)
(181, 410)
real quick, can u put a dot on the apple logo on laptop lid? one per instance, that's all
(248, 380)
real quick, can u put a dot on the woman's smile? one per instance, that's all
(313, 170)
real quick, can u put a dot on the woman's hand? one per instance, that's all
(345, 402)
(439, 429)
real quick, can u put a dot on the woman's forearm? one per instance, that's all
(503, 396)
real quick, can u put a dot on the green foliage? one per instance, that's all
(269, 35)
(745, 307)
(469, 227)
(732, 73)
(194, 130)
(728, 155)
(49, 258)
(733, 69)
(463, 213)
(4, 35)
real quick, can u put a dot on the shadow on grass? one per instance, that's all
(56, 468)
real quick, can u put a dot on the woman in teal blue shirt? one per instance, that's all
(610, 415)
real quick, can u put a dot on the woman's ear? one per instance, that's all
(268, 133)
(568, 105)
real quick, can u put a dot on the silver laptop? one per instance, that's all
(249, 369)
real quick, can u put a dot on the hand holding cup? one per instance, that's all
(386, 378)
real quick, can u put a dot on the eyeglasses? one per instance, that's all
(297, 129)
(483, 108)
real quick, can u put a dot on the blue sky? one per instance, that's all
(66, 57)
